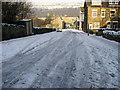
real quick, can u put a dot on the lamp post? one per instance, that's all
(78, 21)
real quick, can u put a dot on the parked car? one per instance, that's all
(99, 32)
(112, 32)
(59, 29)
(112, 35)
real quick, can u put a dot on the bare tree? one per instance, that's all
(12, 11)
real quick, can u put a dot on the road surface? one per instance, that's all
(68, 59)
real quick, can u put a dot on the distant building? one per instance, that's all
(57, 22)
(38, 22)
(101, 14)
(63, 22)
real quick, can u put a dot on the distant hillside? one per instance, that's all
(59, 11)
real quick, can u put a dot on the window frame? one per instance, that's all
(111, 14)
(94, 11)
(96, 25)
(103, 11)
(113, 2)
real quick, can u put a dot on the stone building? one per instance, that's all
(63, 22)
(101, 14)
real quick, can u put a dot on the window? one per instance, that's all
(103, 13)
(116, 2)
(90, 26)
(112, 13)
(115, 25)
(108, 26)
(112, 24)
(94, 13)
(96, 25)
(96, 2)
(113, 1)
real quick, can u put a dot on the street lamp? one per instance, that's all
(78, 21)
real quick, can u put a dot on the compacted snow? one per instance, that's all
(68, 59)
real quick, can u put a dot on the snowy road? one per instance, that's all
(68, 59)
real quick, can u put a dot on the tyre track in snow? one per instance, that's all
(32, 43)
(62, 75)
(45, 79)
(82, 65)
(101, 75)
(95, 72)
(24, 63)
(18, 54)
(21, 54)
(72, 61)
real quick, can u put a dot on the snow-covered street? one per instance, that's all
(68, 59)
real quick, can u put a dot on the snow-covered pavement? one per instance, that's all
(68, 59)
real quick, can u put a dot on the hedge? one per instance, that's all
(10, 32)
(112, 37)
(40, 30)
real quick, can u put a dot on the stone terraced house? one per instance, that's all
(101, 14)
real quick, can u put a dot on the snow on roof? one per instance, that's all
(25, 20)
(13, 25)
(37, 27)
(42, 28)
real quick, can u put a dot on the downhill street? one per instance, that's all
(68, 59)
